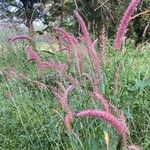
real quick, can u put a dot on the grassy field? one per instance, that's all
(31, 118)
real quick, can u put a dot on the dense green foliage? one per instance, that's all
(31, 118)
(34, 105)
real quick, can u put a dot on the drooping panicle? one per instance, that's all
(19, 37)
(106, 116)
(73, 46)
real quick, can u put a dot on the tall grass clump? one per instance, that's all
(63, 96)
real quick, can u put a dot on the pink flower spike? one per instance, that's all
(63, 100)
(68, 121)
(84, 29)
(20, 37)
(103, 101)
(70, 38)
(86, 36)
(31, 54)
(90, 46)
(50, 65)
(106, 116)
(124, 23)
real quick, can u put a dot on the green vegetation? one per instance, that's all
(66, 92)
(31, 118)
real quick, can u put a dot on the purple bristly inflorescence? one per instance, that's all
(103, 101)
(90, 46)
(124, 23)
(63, 100)
(20, 37)
(107, 117)
(70, 38)
(31, 54)
(50, 65)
